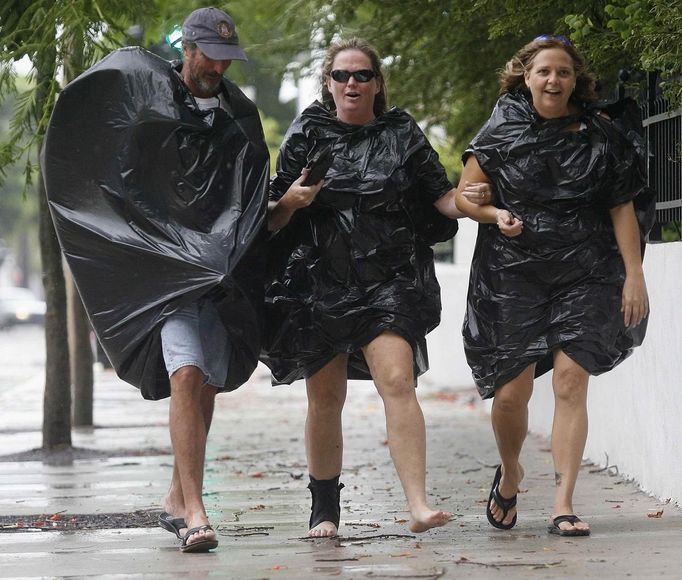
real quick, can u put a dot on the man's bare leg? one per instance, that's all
(390, 360)
(174, 502)
(191, 403)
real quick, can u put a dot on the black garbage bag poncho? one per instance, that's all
(356, 262)
(558, 284)
(157, 204)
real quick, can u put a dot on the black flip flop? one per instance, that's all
(203, 545)
(172, 524)
(501, 502)
(554, 528)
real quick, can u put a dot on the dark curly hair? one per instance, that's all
(380, 99)
(512, 75)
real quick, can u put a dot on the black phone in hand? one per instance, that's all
(318, 165)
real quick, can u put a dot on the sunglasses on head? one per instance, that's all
(558, 37)
(362, 76)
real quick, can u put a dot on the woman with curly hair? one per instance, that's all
(556, 280)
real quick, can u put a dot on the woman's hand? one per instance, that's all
(296, 197)
(635, 304)
(635, 301)
(478, 192)
(509, 225)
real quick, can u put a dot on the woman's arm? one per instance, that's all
(486, 214)
(478, 193)
(635, 301)
(296, 197)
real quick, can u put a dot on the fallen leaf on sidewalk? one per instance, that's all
(654, 514)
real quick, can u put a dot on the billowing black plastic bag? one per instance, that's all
(558, 284)
(157, 204)
(356, 262)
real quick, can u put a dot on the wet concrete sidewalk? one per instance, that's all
(258, 502)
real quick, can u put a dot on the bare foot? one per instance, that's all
(507, 488)
(426, 519)
(323, 530)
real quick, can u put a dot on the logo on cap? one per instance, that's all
(223, 29)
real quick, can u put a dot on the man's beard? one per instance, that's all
(208, 85)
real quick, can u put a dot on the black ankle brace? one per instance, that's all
(326, 501)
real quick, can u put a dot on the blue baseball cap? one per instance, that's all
(214, 32)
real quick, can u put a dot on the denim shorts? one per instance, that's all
(195, 336)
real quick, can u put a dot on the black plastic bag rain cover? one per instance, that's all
(357, 261)
(558, 284)
(157, 204)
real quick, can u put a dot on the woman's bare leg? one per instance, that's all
(390, 361)
(569, 432)
(323, 427)
(510, 424)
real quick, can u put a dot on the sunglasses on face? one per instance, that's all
(362, 76)
(559, 37)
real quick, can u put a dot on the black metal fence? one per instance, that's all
(663, 128)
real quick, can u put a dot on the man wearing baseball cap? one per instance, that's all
(197, 369)
(209, 44)
(161, 210)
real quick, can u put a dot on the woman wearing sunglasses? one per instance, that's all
(556, 280)
(353, 290)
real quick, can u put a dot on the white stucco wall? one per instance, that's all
(635, 410)
(448, 367)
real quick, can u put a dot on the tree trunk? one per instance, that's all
(57, 398)
(80, 348)
(80, 352)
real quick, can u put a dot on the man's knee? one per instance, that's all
(185, 378)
